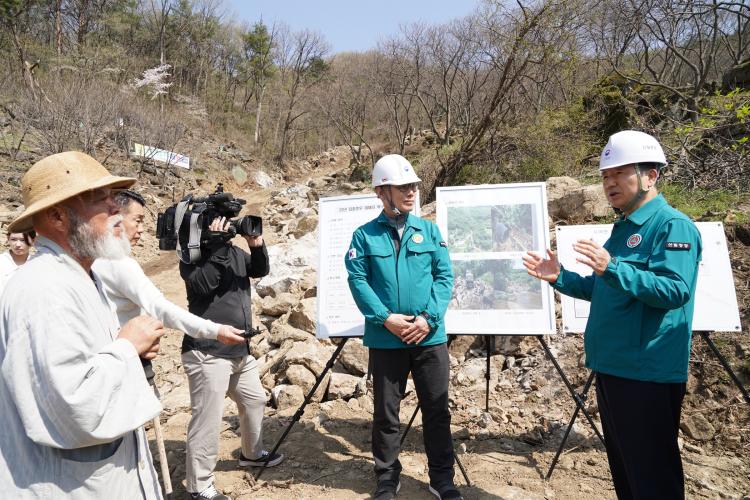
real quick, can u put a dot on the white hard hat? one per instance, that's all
(393, 170)
(631, 147)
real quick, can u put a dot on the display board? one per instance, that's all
(488, 229)
(339, 217)
(715, 301)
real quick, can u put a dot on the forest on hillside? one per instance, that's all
(515, 91)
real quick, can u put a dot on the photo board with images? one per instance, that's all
(339, 217)
(716, 306)
(488, 228)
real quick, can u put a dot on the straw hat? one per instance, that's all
(59, 177)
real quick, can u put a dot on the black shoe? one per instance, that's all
(209, 493)
(265, 456)
(448, 492)
(387, 490)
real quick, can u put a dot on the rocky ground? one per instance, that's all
(506, 451)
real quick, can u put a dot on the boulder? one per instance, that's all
(290, 261)
(580, 205)
(470, 373)
(239, 175)
(306, 224)
(273, 289)
(287, 396)
(281, 332)
(354, 357)
(304, 315)
(342, 386)
(311, 354)
(698, 427)
(301, 376)
(557, 187)
(278, 304)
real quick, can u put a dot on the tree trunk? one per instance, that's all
(58, 26)
(257, 116)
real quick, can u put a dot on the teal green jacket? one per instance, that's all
(641, 314)
(418, 279)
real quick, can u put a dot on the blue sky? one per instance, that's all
(349, 25)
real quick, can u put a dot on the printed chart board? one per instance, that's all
(339, 217)
(488, 229)
(715, 301)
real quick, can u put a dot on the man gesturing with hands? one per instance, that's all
(401, 280)
(637, 338)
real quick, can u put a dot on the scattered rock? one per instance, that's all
(697, 427)
(354, 357)
(304, 315)
(278, 304)
(287, 396)
(281, 332)
(342, 386)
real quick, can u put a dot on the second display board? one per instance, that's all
(488, 229)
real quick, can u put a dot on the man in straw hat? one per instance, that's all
(72, 388)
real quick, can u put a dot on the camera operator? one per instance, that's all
(218, 289)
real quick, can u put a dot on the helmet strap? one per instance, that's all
(391, 205)
(638, 196)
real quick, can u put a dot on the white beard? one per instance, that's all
(87, 245)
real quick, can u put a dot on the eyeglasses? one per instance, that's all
(405, 188)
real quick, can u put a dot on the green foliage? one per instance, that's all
(697, 203)
(258, 44)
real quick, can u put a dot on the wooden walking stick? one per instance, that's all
(149, 371)
(163, 459)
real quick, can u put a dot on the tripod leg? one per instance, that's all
(463, 471)
(726, 366)
(570, 427)
(408, 426)
(451, 338)
(576, 397)
(301, 409)
(488, 344)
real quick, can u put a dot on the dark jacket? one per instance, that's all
(218, 288)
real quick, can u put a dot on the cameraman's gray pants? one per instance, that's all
(210, 379)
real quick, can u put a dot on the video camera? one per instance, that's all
(184, 225)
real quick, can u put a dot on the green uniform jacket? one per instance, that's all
(641, 314)
(418, 279)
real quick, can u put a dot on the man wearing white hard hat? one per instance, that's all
(401, 279)
(72, 389)
(637, 338)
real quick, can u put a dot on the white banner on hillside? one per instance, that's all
(156, 154)
(339, 217)
(488, 229)
(715, 300)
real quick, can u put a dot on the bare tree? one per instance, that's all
(302, 67)
(347, 103)
(512, 40)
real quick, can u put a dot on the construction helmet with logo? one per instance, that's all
(393, 170)
(631, 147)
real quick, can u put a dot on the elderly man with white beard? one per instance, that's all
(72, 389)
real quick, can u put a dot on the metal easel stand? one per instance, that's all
(706, 337)
(579, 399)
(301, 409)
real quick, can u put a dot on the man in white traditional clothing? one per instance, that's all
(132, 293)
(72, 389)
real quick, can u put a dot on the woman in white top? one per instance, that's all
(19, 245)
(131, 292)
